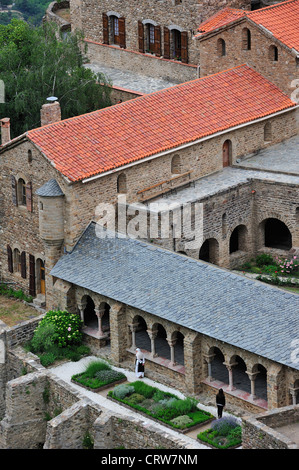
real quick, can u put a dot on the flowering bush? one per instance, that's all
(67, 327)
(287, 266)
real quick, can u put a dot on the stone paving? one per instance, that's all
(129, 80)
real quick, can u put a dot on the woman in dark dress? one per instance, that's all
(220, 402)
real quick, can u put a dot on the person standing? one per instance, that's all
(139, 366)
(220, 402)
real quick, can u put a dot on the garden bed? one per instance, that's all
(98, 376)
(224, 433)
(182, 415)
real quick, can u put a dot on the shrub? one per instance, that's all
(108, 375)
(67, 326)
(135, 398)
(44, 337)
(96, 366)
(264, 260)
(47, 359)
(146, 390)
(121, 391)
(225, 425)
(181, 421)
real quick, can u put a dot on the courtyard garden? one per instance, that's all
(57, 337)
(278, 271)
(224, 433)
(97, 376)
(164, 407)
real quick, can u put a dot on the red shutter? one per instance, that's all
(14, 190)
(29, 196)
(184, 47)
(140, 36)
(105, 29)
(32, 276)
(158, 41)
(23, 265)
(9, 259)
(166, 43)
(122, 32)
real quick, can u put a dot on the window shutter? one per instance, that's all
(9, 259)
(122, 32)
(23, 265)
(158, 41)
(14, 190)
(184, 47)
(105, 29)
(32, 276)
(166, 43)
(140, 36)
(29, 196)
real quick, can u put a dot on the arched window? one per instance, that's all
(273, 53)
(227, 153)
(122, 183)
(268, 132)
(246, 39)
(176, 43)
(150, 37)
(21, 192)
(114, 30)
(29, 156)
(221, 47)
(176, 164)
(238, 239)
(209, 251)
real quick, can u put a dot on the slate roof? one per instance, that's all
(50, 189)
(109, 138)
(229, 307)
(280, 19)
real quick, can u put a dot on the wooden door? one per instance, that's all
(32, 276)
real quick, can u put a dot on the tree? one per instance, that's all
(36, 63)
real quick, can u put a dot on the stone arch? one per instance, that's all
(90, 318)
(240, 377)
(227, 153)
(238, 239)
(218, 370)
(21, 191)
(142, 339)
(162, 348)
(260, 381)
(176, 166)
(275, 234)
(209, 251)
(246, 39)
(177, 341)
(103, 313)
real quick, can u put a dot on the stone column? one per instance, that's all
(152, 334)
(133, 328)
(171, 345)
(81, 307)
(230, 376)
(293, 392)
(209, 358)
(252, 377)
(99, 313)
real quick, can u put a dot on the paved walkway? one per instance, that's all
(66, 370)
(131, 81)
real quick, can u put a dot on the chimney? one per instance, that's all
(50, 112)
(5, 130)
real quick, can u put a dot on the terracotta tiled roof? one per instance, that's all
(282, 20)
(103, 140)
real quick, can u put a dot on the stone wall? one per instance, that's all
(281, 72)
(262, 431)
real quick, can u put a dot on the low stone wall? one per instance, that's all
(262, 431)
(143, 64)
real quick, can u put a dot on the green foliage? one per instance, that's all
(223, 433)
(96, 366)
(47, 359)
(37, 62)
(67, 327)
(98, 374)
(44, 337)
(32, 10)
(135, 398)
(88, 442)
(182, 421)
(264, 259)
(16, 294)
(121, 391)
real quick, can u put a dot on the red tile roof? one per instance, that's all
(103, 140)
(282, 20)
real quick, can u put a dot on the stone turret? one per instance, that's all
(51, 213)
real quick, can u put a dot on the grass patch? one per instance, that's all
(13, 312)
(97, 375)
(223, 433)
(163, 406)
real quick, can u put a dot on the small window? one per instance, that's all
(273, 53)
(246, 39)
(122, 184)
(268, 132)
(21, 192)
(16, 260)
(176, 165)
(221, 47)
(29, 156)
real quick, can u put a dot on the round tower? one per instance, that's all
(51, 213)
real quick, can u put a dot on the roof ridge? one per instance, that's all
(269, 7)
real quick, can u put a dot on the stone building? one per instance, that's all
(58, 178)
(266, 39)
